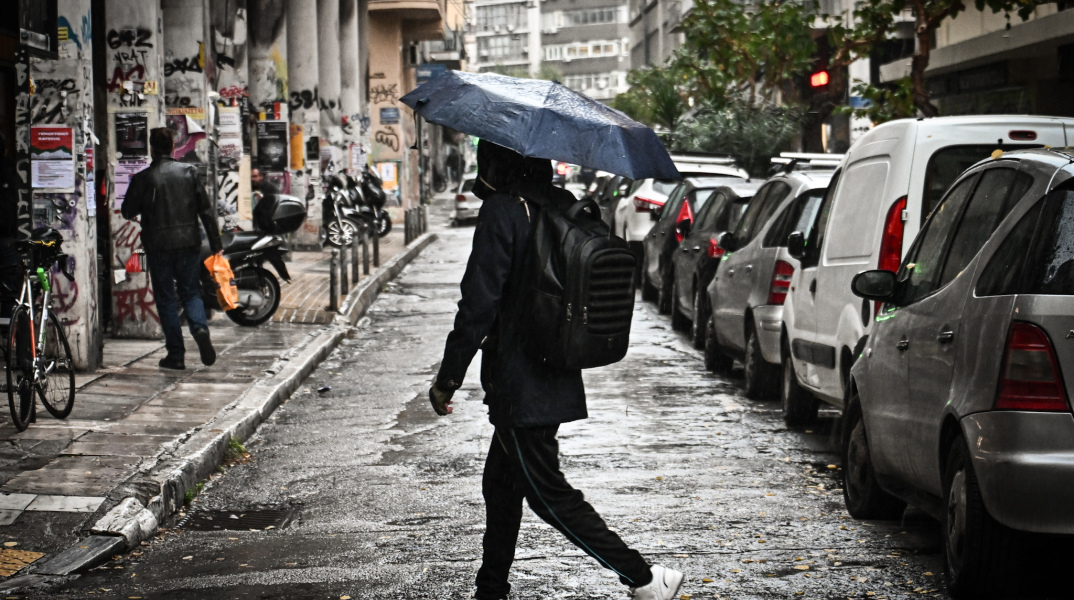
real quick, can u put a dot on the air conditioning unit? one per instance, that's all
(566, 58)
(550, 30)
(483, 53)
(496, 28)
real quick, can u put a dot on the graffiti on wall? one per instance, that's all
(387, 135)
(303, 99)
(384, 93)
(129, 57)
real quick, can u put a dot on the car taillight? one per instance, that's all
(781, 282)
(714, 250)
(891, 241)
(460, 198)
(1029, 379)
(684, 213)
(645, 204)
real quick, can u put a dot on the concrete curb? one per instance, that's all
(135, 519)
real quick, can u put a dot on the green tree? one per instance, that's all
(654, 97)
(753, 134)
(748, 52)
(546, 72)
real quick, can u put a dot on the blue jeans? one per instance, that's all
(173, 270)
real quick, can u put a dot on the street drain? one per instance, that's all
(233, 520)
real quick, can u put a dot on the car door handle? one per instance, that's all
(749, 268)
(696, 248)
(730, 272)
(813, 287)
(946, 336)
(903, 344)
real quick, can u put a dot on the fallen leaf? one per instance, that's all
(187, 557)
(706, 580)
(735, 571)
(927, 573)
(344, 598)
(802, 567)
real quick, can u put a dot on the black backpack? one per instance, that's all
(579, 297)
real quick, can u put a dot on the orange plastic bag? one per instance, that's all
(227, 292)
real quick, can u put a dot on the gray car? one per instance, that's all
(960, 401)
(747, 292)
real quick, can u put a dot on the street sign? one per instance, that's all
(389, 116)
(430, 71)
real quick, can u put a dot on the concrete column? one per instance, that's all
(62, 104)
(304, 69)
(390, 141)
(328, 47)
(268, 56)
(350, 72)
(230, 54)
(134, 83)
(185, 86)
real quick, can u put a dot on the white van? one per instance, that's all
(883, 190)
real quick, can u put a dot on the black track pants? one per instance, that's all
(524, 463)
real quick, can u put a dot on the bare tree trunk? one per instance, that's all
(918, 64)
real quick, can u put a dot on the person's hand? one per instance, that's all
(441, 400)
(220, 252)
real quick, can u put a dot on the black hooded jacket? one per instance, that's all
(519, 391)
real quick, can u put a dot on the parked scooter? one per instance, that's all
(259, 291)
(341, 212)
(374, 196)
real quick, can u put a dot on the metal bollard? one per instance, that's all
(406, 227)
(333, 285)
(365, 251)
(376, 249)
(344, 282)
(424, 219)
(354, 261)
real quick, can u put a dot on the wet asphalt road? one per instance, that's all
(387, 500)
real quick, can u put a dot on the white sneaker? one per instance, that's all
(664, 586)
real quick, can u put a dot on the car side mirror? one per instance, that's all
(683, 227)
(874, 285)
(654, 214)
(726, 240)
(796, 245)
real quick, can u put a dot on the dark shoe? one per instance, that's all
(170, 362)
(205, 346)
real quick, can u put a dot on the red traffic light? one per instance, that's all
(819, 79)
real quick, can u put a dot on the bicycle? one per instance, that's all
(38, 355)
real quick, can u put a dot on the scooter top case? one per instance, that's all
(279, 214)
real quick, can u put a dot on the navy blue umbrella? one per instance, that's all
(543, 119)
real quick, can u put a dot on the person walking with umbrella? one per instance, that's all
(527, 399)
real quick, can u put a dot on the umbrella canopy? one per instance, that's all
(543, 119)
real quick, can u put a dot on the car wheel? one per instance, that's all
(977, 548)
(679, 322)
(699, 325)
(864, 498)
(760, 377)
(715, 360)
(799, 406)
(663, 300)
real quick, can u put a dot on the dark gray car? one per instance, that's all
(960, 401)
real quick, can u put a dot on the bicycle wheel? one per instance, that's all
(20, 397)
(56, 381)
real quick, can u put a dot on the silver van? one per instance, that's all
(885, 187)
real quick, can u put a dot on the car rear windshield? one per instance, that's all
(947, 164)
(468, 185)
(664, 186)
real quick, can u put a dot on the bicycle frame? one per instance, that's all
(37, 327)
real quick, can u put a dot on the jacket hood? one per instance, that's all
(503, 170)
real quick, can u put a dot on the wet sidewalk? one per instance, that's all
(141, 437)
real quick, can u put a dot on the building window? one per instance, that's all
(595, 49)
(502, 47)
(593, 16)
(553, 52)
(500, 17)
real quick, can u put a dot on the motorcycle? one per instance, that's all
(259, 290)
(341, 212)
(373, 194)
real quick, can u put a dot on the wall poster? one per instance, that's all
(52, 157)
(272, 145)
(132, 134)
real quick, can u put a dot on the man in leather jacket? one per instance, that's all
(527, 399)
(170, 199)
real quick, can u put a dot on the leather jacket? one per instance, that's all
(170, 198)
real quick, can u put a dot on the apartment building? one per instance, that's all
(653, 35)
(988, 63)
(588, 43)
(506, 36)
